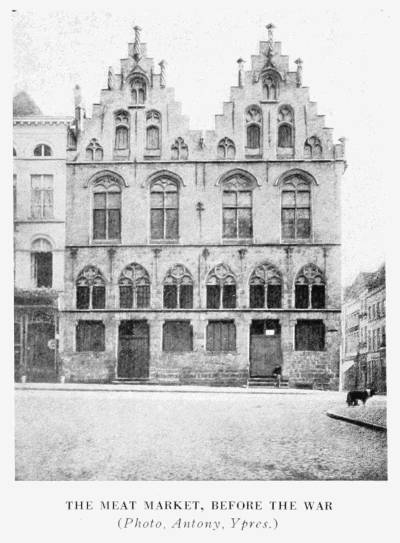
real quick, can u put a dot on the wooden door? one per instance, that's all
(41, 358)
(133, 350)
(265, 355)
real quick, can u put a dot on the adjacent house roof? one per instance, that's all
(24, 106)
(365, 281)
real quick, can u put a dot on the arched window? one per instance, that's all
(42, 263)
(221, 288)
(42, 150)
(164, 222)
(237, 203)
(90, 289)
(134, 287)
(226, 149)
(313, 148)
(285, 127)
(138, 90)
(270, 81)
(296, 208)
(179, 150)
(94, 151)
(121, 130)
(14, 152)
(178, 288)
(153, 121)
(310, 288)
(106, 209)
(266, 287)
(253, 127)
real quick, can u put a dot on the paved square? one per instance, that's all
(110, 435)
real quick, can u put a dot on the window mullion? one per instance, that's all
(266, 295)
(221, 290)
(178, 295)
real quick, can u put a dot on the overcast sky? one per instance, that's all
(344, 66)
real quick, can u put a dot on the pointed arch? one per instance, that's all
(310, 288)
(265, 286)
(134, 287)
(221, 287)
(178, 288)
(90, 288)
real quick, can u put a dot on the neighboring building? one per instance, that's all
(364, 333)
(203, 257)
(39, 155)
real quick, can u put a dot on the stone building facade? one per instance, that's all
(203, 256)
(364, 333)
(39, 177)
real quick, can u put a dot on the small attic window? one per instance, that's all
(42, 150)
(138, 90)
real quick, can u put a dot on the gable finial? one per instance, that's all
(299, 78)
(270, 27)
(162, 65)
(110, 78)
(240, 62)
(136, 46)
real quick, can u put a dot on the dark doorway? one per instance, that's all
(41, 357)
(265, 347)
(133, 350)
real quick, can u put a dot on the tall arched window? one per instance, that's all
(42, 150)
(90, 289)
(237, 203)
(94, 151)
(134, 287)
(138, 90)
(285, 127)
(153, 121)
(221, 288)
(164, 211)
(42, 263)
(313, 148)
(226, 149)
(310, 288)
(121, 130)
(266, 287)
(106, 209)
(296, 208)
(253, 127)
(178, 288)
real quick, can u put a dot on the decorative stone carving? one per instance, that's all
(310, 274)
(226, 148)
(178, 274)
(163, 79)
(134, 275)
(253, 114)
(110, 79)
(266, 273)
(90, 275)
(299, 73)
(179, 150)
(137, 53)
(221, 274)
(313, 148)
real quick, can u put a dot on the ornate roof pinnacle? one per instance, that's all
(136, 46)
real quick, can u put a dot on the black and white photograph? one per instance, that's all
(199, 263)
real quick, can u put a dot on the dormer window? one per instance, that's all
(121, 130)
(153, 126)
(138, 90)
(253, 130)
(285, 130)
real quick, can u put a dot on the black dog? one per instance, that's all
(354, 395)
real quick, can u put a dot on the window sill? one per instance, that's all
(136, 106)
(238, 241)
(99, 242)
(152, 153)
(221, 352)
(164, 241)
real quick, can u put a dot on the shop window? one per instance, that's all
(221, 336)
(309, 335)
(90, 336)
(177, 336)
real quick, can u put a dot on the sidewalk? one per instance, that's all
(372, 415)
(162, 388)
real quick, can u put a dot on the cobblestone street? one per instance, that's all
(150, 435)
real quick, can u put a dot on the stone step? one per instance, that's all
(266, 382)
